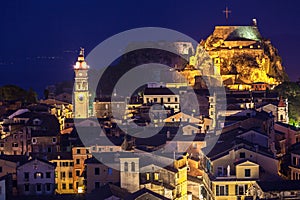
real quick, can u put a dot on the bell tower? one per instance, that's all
(81, 89)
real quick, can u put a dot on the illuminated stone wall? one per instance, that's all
(240, 50)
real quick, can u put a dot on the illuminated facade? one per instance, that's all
(170, 182)
(36, 177)
(64, 175)
(242, 57)
(80, 154)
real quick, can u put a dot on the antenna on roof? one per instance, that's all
(174, 156)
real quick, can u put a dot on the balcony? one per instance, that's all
(226, 177)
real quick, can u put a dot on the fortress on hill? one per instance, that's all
(240, 54)
(242, 57)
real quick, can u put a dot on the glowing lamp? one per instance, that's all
(80, 190)
(77, 65)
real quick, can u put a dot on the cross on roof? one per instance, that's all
(226, 11)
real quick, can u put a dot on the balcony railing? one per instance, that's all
(226, 177)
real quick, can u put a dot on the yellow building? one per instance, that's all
(235, 163)
(64, 174)
(62, 110)
(80, 154)
(233, 185)
(295, 164)
(170, 181)
(169, 97)
(182, 117)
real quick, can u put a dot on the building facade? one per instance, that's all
(36, 177)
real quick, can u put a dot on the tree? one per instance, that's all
(31, 96)
(12, 93)
(46, 94)
(291, 90)
(16, 93)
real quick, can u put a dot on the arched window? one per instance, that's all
(126, 166)
(281, 117)
(132, 166)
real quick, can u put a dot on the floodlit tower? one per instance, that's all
(81, 89)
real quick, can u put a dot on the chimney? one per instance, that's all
(168, 134)
(254, 22)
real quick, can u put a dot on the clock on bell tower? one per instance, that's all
(81, 90)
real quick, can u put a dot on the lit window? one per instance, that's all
(38, 175)
(14, 144)
(63, 174)
(241, 189)
(195, 145)
(221, 190)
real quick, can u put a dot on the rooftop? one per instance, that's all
(237, 33)
(278, 186)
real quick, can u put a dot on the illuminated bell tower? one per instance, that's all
(81, 89)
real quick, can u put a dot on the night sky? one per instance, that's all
(39, 40)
